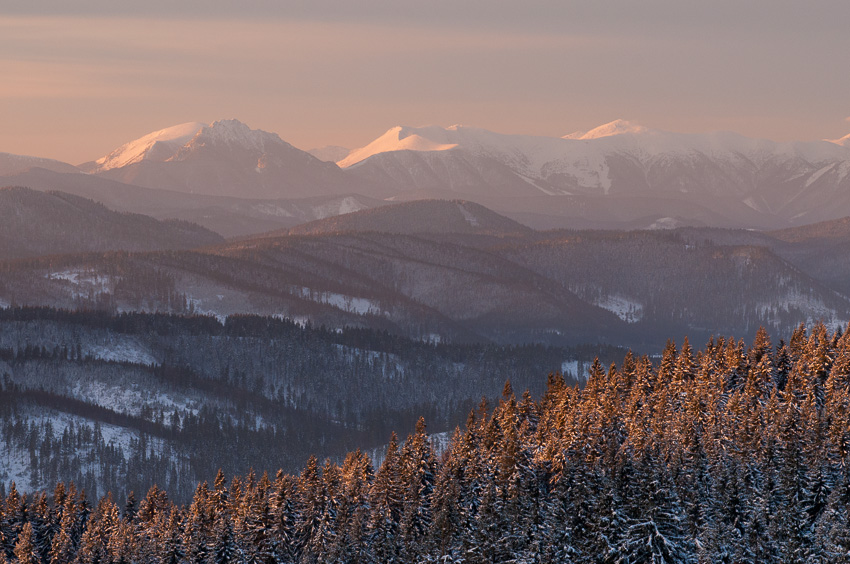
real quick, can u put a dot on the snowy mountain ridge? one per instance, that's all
(718, 178)
(618, 136)
(159, 145)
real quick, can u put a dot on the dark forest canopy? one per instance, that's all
(120, 402)
(728, 454)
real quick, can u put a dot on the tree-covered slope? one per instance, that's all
(166, 399)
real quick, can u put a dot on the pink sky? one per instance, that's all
(76, 85)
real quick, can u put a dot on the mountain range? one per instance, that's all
(240, 181)
(619, 171)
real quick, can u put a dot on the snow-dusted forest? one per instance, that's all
(732, 453)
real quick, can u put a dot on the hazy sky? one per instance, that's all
(79, 78)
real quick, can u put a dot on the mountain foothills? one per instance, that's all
(456, 271)
(619, 175)
(729, 454)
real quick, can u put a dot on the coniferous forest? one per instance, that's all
(733, 453)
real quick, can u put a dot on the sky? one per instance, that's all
(78, 79)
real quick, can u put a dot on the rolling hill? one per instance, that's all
(48, 223)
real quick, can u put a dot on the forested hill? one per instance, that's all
(120, 402)
(728, 454)
(49, 223)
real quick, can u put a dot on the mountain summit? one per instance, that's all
(226, 158)
(233, 134)
(616, 127)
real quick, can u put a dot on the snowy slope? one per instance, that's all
(159, 145)
(844, 141)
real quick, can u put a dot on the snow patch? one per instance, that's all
(121, 351)
(84, 283)
(349, 204)
(751, 203)
(197, 307)
(129, 397)
(299, 320)
(468, 216)
(350, 304)
(573, 369)
(433, 338)
(814, 177)
(664, 223)
(628, 310)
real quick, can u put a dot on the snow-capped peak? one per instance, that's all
(159, 145)
(403, 138)
(178, 141)
(234, 133)
(616, 127)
